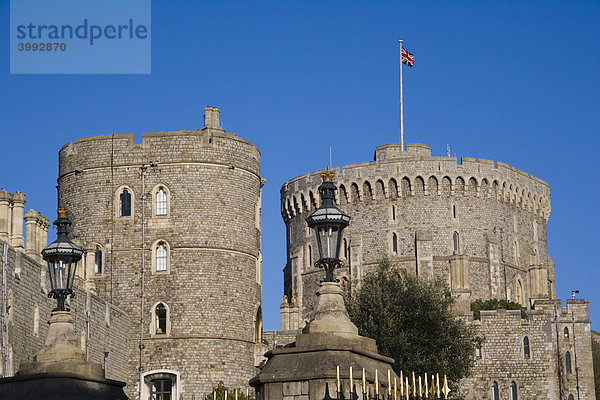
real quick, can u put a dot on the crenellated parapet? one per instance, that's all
(415, 172)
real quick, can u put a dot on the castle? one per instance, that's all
(477, 225)
(168, 295)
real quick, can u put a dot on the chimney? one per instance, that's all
(16, 236)
(211, 118)
(5, 220)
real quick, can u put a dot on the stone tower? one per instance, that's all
(172, 232)
(476, 224)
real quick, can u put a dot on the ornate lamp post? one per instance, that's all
(62, 256)
(328, 221)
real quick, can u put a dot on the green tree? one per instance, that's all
(495, 304)
(412, 321)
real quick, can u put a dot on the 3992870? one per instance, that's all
(26, 46)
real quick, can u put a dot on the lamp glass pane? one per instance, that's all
(52, 271)
(328, 242)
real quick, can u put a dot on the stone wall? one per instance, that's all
(211, 286)
(408, 205)
(542, 375)
(103, 327)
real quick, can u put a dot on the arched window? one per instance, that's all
(526, 349)
(98, 260)
(160, 322)
(160, 385)
(570, 397)
(568, 362)
(258, 326)
(495, 393)
(520, 298)
(478, 350)
(513, 391)
(394, 243)
(125, 203)
(566, 332)
(161, 202)
(161, 257)
(455, 242)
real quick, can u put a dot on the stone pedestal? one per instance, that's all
(306, 368)
(60, 370)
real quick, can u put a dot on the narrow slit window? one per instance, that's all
(568, 362)
(455, 243)
(495, 392)
(513, 391)
(526, 349)
(394, 243)
(98, 260)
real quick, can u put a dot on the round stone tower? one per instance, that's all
(171, 227)
(478, 225)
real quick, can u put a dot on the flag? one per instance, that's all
(408, 58)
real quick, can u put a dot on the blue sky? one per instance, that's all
(513, 81)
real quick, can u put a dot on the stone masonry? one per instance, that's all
(24, 291)
(476, 225)
(210, 280)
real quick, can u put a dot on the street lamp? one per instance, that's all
(328, 221)
(62, 256)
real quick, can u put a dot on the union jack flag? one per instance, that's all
(408, 58)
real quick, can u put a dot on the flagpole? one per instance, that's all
(401, 105)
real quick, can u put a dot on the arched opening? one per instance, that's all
(513, 391)
(125, 203)
(568, 362)
(455, 243)
(160, 324)
(495, 393)
(161, 202)
(526, 348)
(98, 260)
(258, 326)
(161, 257)
(566, 332)
(394, 243)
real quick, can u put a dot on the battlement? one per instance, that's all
(211, 144)
(415, 172)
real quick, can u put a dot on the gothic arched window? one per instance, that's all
(161, 257)
(513, 391)
(161, 202)
(455, 242)
(566, 332)
(495, 393)
(526, 349)
(125, 203)
(568, 362)
(160, 324)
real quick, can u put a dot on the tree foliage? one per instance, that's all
(495, 304)
(412, 321)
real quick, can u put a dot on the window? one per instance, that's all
(161, 202)
(258, 326)
(309, 258)
(161, 257)
(567, 332)
(526, 350)
(394, 243)
(161, 389)
(160, 323)
(478, 352)
(125, 203)
(454, 211)
(495, 394)
(345, 249)
(570, 397)
(513, 391)
(160, 385)
(568, 362)
(455, 242)
(98, 261)
(393, 213)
